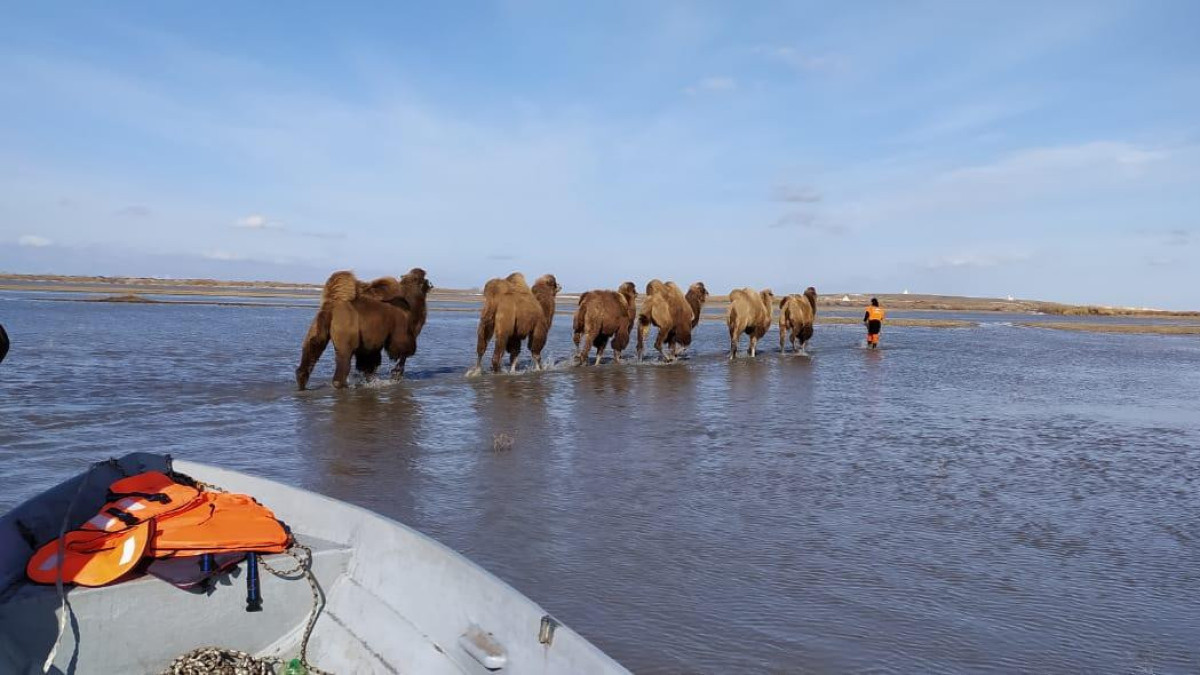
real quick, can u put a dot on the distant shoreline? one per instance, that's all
(131, 289)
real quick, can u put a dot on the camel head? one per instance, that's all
(698, 290)
(628, 290)
(548, 281)
(811, 294)
(416, 277)
(768, 298)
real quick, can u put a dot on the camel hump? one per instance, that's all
(341, 286)
(517, 279)
(655, 286)
(383, 288)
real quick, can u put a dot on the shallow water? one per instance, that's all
(991, 499)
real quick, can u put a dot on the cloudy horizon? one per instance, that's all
(1045, 152)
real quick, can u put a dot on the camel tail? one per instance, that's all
(340, 287)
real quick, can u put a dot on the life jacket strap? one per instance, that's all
(160, 497)
(122, 516)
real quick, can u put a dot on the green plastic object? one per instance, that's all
(295, 667)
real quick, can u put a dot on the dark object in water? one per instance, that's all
(3, 343)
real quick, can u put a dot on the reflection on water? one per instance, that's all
(991, 499)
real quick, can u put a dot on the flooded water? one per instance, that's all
(993, 499)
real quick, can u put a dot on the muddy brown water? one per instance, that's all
(993, 499)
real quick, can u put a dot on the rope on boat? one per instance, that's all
(221, 661)
(65, 609)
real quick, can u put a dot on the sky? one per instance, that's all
(1040, 150)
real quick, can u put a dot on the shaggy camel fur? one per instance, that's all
(3, 343)
(512, 311)
(796, 316)
(604, 316)
(362, 320)
(665, 307)
(696, 296)
(749, 313)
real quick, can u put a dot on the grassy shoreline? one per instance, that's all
(903, 302)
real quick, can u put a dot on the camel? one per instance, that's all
(512, 311)
(749, 313)
(666, 307)
(696, 296)
(363, 320)
(3, 343)
(796, 316)
(603, 316)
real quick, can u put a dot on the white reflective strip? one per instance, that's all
(50, 563)
(103, 522)
(130, 504)
(127, 550)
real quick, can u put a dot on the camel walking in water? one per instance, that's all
(797, 313)
(512, 312)
(749, 313)
(696, 296)
(362, 320)
(603, 316)
(666, 307)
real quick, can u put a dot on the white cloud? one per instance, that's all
(34, 241)
(257, 221)
(713, 84)
(220, 254)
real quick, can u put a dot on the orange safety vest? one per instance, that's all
(150, 515)
(874, 313)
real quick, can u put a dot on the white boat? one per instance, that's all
(396, 601)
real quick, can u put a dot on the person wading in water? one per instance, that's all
(874, 320)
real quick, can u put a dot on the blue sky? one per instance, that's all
(1043, 150)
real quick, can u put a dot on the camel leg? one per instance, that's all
(642, 331)
(341, 368)
(600, 348)
(398, 369)
(484, 335)
(753, 346)
(314, 345)
(782, 333)
(733, 342)
(514, 353)
(584, 347)
(591, 336)
(537, 342)
(498, 351)
(658, 344)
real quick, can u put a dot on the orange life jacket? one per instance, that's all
(874, 313)
(152, 516)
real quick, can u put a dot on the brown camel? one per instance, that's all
(604, 316)
(363, 320)
(749, 313)
(512, 311)
(666, 307)
(796, 316)
(696, 296)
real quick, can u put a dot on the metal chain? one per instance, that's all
(218, 661)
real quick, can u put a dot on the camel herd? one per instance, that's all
(363, 320)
